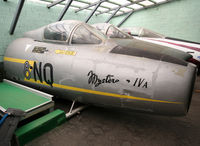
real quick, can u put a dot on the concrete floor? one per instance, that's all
(105, 127)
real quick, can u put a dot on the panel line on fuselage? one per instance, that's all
(22, 61)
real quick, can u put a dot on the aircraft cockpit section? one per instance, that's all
(67, 32)
(142, 32)
(111, 31)
(83, 35)
(57, 32)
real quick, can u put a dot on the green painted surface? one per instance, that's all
(179, 19)
(15, 97)
(38, 127)
(33, 16)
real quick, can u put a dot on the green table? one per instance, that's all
(13, 95)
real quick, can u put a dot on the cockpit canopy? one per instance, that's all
(111, 31)
(142, 32)
(68, 31)
(59, 31)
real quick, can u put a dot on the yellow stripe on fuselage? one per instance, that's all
(22, 61)
(100, 92)
(87, 90)
(18, 60)
(15, 60)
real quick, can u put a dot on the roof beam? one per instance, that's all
(93, 11)
(141, 4)
(119, 4)
(82, 8)
(86, 9)
(135, 2)
(54, 3)
(72, 4)
(113, 14)
(129, 14)
(152, 2)
(16, 16)
(65, 10)
(90, 5)
(146, 7)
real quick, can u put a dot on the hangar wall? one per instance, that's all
(179, 19)
(33, 15)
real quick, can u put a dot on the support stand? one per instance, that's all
(75, 111)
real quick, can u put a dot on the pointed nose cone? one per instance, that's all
(36, 34)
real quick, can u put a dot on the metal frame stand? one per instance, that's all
(75, 111)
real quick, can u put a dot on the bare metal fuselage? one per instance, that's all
(91, 74)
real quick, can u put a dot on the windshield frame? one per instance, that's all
(125, 34)
(92, 30)
(58, 41)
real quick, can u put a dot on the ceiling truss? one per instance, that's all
(111, 7)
